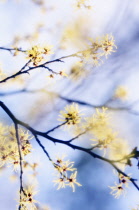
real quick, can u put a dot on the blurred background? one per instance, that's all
(59, 23)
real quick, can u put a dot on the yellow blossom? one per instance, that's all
(27, 200)
(37, 54)
(62, 73)
(98, 123)
(15, 163)
(48, 50)
(121, 93)
(77, 71)
(63, 166)
(108, 45)
(9, 154)
(117, 190)
(72, 181)
(67, 166)
(103, 46)
(119, 150)
(124, 179)
(83, 4)
(96, 59)
(61, 182)
(64, 169)
(71, 114)
(60, 160)
(105, 139)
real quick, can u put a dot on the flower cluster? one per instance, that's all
(71, 115)
(121, 93)
(100, 131)
(98, 126)
(99, 48)
(107, 44)
(105, 140)
(66, 174)
(9, 154)
(104, 137)
(91, 50)
(77, 71)
(27, 201)
(83, 4)
(36, 53)
(120, 151)
(120, 188)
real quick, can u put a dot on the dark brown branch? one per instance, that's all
(53, 129)
(127, 108)
(41, 65)
(20, 72)
(21, 166)
(12, 49)
(68, 143)
(43, 148)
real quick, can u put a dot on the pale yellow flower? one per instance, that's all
(63, 166)
(64, 169)
(121, 93)
(72, 181)
(108, 45)
(98, 123)
(63, 73)
(9, 154)
(105, 140)
(119, 150)
(117, 190)
(124, 179)
(77, 71)
(71, 114)
(61, 183)
(37, 53)
(27, 199)
(83, 4)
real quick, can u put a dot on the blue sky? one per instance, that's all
(109, 16)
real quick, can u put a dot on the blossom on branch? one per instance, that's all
(117, 190)
(37, 54)
(72, 181)
(71, 115)
(65, 177)
(27, 198)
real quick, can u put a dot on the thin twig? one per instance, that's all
(12, 49)
(53, 129)
(21, 166)
(67, 143)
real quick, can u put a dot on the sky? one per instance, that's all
(110, 16)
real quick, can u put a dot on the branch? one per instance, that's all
(21, 166)
(83, 103)
(53, 129)
(12, 49)
(43, 148)
(43, 65)
(67, 143)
